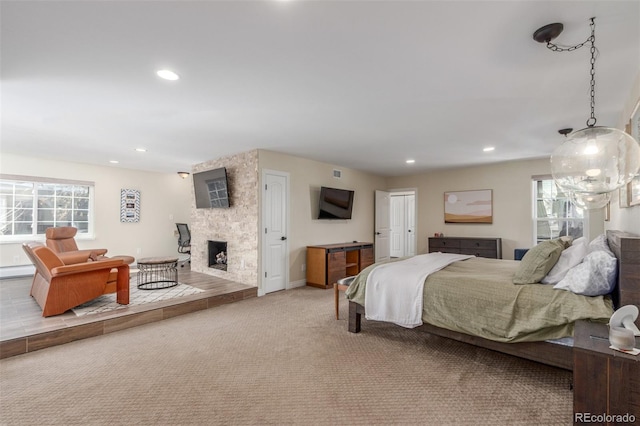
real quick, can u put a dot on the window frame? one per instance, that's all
(569, 218)
(35, 221)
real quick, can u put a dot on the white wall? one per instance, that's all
(626, 219)
(512, 202)
(163, 195)
(306, 178)
(165, 200)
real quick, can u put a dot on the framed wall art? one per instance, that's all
(468, 206)
(129, 205)
(634, 123)
(623, 196)
(633, 191)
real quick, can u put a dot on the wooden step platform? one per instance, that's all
(23, 329)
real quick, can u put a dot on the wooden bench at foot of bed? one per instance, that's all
(627, 292)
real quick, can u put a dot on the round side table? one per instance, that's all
(157, 272)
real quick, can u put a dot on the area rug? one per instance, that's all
(107, 302)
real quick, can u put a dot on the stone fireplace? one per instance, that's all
(237, 225)
(217, 255)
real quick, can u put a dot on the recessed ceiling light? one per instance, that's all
(489, 148)
(141, 149)
(410, 161)
(114, 161)
(167, 75)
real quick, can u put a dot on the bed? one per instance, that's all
(447, 316)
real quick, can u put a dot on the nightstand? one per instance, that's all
(606, 382)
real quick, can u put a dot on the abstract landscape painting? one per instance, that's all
(468, 206)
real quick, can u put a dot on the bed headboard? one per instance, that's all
(627, 250)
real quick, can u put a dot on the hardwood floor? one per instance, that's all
(23, 329)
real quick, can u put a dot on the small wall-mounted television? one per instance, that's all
(211, 189)
(335, 203)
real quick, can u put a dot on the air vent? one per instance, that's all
(337, 174)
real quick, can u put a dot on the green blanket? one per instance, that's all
(477, 297)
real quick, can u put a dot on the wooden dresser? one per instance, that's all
(326, 264)
(605, 382)
(481, 247)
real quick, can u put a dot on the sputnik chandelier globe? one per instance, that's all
(595, 160)
(590, 201)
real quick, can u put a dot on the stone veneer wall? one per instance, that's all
(237, 225)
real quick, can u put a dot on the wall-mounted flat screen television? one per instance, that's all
(335, 203)
(211, 189)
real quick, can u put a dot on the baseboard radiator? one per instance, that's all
(17, 271)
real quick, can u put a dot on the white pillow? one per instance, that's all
(595, 276)
(600, 243)
(569, 258)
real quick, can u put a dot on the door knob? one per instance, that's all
(283, 238)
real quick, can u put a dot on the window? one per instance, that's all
(554, 214)
(28, 207)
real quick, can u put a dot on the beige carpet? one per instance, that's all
(279, 359)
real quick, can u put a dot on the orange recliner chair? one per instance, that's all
(58, 287)
(61, 240)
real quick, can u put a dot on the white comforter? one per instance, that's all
(394, 290)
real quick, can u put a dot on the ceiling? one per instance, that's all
(359, 84)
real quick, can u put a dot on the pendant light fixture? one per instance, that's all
(594, 160)
(590, 201)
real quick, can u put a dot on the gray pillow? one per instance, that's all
(538, 261)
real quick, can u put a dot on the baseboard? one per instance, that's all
(299, 283)
(17, 271)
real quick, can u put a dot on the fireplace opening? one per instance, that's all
(218, 255)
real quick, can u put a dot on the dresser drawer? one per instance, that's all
(366, 257)
(455, 250)
(442, 243)
(478, 244)
(336, 265)
(489, 253)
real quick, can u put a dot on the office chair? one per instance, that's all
(184, 242)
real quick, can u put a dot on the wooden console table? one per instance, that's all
(326, 264)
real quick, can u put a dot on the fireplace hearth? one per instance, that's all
(218, 255)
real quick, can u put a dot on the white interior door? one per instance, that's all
(275, 248)
(382, 225)
(410, 214)
(397, 229)
(403, 224)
